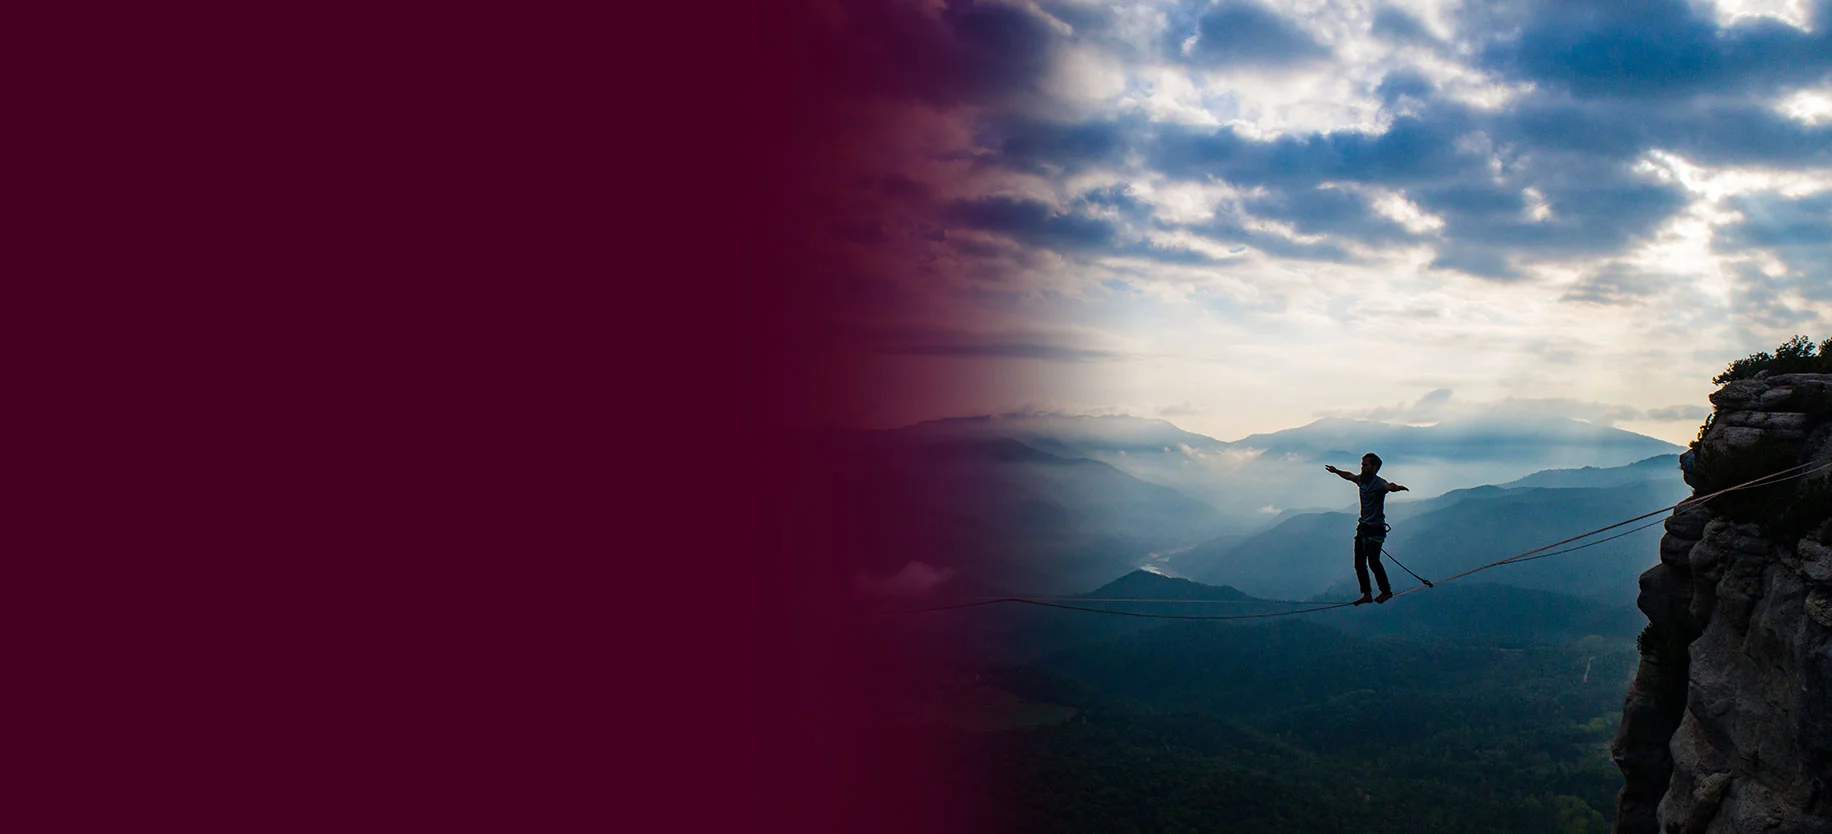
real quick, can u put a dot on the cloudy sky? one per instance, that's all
(1242, 216)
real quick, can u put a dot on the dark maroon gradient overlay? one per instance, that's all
(843, 741)
(429, 405)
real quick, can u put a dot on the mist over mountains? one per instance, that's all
(1310, 553)
(1294, 720)
(994, 512)
(1049, 503)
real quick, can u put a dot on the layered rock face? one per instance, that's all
(1727, 726)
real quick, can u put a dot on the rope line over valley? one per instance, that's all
(1801, 471)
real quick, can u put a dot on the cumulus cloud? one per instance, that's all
(1235, 32)
(1550, 178)
(1425, 176)
(1431, 407)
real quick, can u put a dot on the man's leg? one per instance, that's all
(1361, 567)
(1380, 571)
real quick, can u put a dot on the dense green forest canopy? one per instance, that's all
(1301, 726)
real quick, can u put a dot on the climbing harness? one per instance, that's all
(1381, 541)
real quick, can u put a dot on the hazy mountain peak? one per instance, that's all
(1652, 468)
(1072, 433)
(1143, 584)
(1555, 441)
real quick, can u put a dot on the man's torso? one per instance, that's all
(1373, 500)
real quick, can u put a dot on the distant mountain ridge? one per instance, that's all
(1050, 503)
(997, 511)
(1540, 439)
(1143, 584)
(1653, 468)
(1564, 442)
(1251, 481)
(1077, 433)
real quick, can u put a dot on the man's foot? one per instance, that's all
(1365, 598)
(1384, 596)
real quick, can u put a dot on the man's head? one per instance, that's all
(1370, 463)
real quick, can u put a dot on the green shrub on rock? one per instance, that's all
(1795, 356)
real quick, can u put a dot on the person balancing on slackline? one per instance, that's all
(1371, 528)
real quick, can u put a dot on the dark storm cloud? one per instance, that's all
(1403, 83)
(1774, 220)
(1245, 33)
(1591, 210)
(1798, 231)
(1028, 221)
(1034, 145)
(1746, 133)
(1396, 26)
(1327, 211)
(1657, 49)
(1410, 150)
(1709, 131)
(1597, 203)
(971, 52)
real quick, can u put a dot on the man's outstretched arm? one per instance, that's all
(1393, 487)
(1344, 475)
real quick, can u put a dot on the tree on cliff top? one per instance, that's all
(1795, 356)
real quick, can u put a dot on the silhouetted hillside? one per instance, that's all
(1147, 585)
(1301, 556)
(1297, 727)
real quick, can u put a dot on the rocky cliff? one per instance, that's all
(1727, 726)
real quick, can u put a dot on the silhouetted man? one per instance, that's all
(1371, 528)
